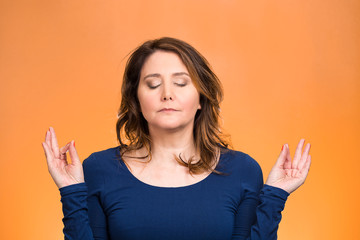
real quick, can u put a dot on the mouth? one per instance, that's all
(168, 110)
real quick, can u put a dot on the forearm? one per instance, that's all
(76, 219)
(268, 215)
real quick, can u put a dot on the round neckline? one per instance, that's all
(164, 187)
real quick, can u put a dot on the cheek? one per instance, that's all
(191, 101)
(146, 102)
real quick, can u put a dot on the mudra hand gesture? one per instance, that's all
(63, 172)
(289, 175)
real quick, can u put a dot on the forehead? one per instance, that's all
(163, 62)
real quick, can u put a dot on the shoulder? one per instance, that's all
(238, 159)
(239, 163)
(102, 156)
(242, 170)
(101, 163)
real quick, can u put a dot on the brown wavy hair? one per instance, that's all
(132, 128)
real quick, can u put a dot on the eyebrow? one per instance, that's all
(174, 74)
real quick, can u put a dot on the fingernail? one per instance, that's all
(74, 143)
(282, 147)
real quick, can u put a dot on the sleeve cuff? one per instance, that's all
(275, 192)
(79, 187)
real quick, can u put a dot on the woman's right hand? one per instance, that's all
(62, 172)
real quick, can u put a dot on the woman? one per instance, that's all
(173, 176)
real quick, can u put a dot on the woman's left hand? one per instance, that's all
(289, 175)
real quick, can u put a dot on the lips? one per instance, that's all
(168, 110)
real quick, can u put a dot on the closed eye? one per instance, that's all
(153, 87)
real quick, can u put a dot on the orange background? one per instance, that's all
(290, 69)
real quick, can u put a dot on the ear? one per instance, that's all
(199, 107)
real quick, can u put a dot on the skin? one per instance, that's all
(167, 95)
(169, 102)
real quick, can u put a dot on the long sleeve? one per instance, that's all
(76, 220)
(84, 218)
(259, 213)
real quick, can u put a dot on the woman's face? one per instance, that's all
(168, 99)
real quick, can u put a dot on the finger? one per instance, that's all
(304, 156)
(282, 158)
(46, 135)
(65, 148)
(304, 172)
(54, 143)
(297, 155)
(73, 154)
(47, 138)
(287, 164)
(63, 151)
(48, 154)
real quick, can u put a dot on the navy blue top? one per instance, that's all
(114, 204)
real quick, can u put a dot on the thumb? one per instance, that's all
(73, 154)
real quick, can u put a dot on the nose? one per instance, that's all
(167, 93)
(165, 98)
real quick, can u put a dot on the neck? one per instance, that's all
(164, 144)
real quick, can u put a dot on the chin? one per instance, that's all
(171, 127)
